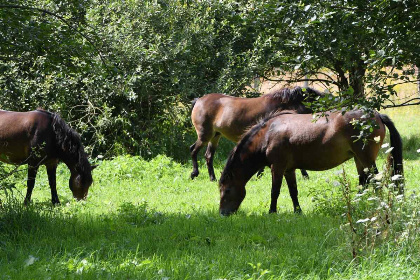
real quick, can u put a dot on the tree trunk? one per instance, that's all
(356, 77)
(417, 75)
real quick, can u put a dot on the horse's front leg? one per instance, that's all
(51, 171)
(276, 178)
(32, 171)
(293, 191)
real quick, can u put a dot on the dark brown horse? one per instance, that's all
(215, 115)
(286, 142)
(42, 138)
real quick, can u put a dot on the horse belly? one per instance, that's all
(14, 143)
(321, 157)
(13, 153)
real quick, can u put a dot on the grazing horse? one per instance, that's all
(286, 142)
(42, 138)
(215, 115)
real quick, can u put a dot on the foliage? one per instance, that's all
(123, 73)
(353, 45)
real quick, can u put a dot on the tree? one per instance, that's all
(364, 48)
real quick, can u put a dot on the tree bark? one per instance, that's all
(356, 77)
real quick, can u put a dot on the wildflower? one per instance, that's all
(399, 197)
(418, 151)
(378, 177)
(30, 261)
(389, 150)
(362, 221)
(377, 139)
(386, 145)
(396, 177)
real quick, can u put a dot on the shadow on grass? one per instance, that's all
(183, 245)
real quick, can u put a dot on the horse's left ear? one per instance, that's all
(93, 166)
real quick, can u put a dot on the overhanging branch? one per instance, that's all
(406, 103)
(302, 80)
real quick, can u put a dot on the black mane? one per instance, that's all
(68, 142)
(295, 95)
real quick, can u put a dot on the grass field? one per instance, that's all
(148, 220)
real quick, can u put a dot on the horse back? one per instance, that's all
(228, 115)
(302, 143)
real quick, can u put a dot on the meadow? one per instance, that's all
(145, 219)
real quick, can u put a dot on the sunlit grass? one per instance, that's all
(148, 220)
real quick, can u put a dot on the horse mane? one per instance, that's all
(68, 142)
(246, 138)
(294, 95)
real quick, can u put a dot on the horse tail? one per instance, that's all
(395, 158)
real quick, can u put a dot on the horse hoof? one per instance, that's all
(193, 175)
(272, 211)
(306, 177)
(213, 179)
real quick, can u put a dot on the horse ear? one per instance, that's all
(93, 166)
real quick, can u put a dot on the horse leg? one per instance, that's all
(260, 173)
(211, 149)
(304, 174)
(51, 171)
(195, 148)
(32, 171)
(361, 170)
(276, 179)
(293, 191)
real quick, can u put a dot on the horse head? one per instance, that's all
(232, 193)
(80, 182)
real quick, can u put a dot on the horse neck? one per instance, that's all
(244, 169)
(279, 104)
(74, 162)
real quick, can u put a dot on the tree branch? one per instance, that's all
(301, 80)
(406, 103)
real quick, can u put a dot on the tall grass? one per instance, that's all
(148, 220)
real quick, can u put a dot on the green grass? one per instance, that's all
(148, 220)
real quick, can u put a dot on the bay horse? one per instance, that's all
(285, 142)
(43, 138)
(215, 115)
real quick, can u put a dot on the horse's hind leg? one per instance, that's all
(51, 171)
(293, 191)
(365, 171)
(195, 148)
(304, 174)
(211, 149)
(32, 171)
